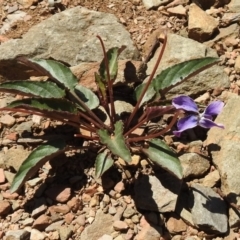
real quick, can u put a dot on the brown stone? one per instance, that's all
(176, 225)
(5, 207)
(42, 222)
(59, 193)
(74, 204)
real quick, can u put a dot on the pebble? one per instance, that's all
(39, 210)
(65, 232)
(74, 204)
(9, 195)
(5, 207)
(129, 211)
(81, 220)
(112, 210)
(54, 226)
(37, 235)
(61, 208)
(34, 182)
(41, 222)
(69, 217)
(119, 187)
(27, 222)
(7, 120)
(59, 193)
(17, 235)
(120, 225)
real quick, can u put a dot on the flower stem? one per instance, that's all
(147, 84)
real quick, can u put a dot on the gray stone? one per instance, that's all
(234, 6)
(129, 211)
(15, 156)
(24, 127)
(17, 235)
(149, 4)
(65, 232)
(103, 225)
(189, 49)
(209, 211)
(157, 193)
(37, 235)
(70, 37)
(224, 146)
(193, 165)
(202, 27)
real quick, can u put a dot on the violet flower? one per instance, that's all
(192, 117)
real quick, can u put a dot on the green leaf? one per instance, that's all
(160, 153)
(150, 93)
(178, 73)
(112, 56)
(103, 163)
(53, 69)
(35, 160)
(40, 89)
(101, 86)
(116, 142)
(49, 104)
(87, 96)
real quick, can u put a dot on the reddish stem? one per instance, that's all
(147, 84)
(170, 125)
(110, 90)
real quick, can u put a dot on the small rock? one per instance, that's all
(81, 220)
(24, 127)
(211, 179)
(7, 120)
(41, 222)
(54, 226)
(40, 208)
(34, 182)
(5, 208)
(176, 225)
(119, 187)
(12, 136)
(65, 232)
(178, 10)
(149, 232)
(149, 4)
(59, 193)
(17, 235)
(203, 27)
(129, 211)
(69, 218)
(2, 176)
(27, 222)
(60, 208)
(93, 202)
(112, 210)
(194, 165)
(74, 204)
(9, 195)
(120, 225)
(209, 211)
(36, 235)
(157, 193)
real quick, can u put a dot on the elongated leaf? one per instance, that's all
(178, 73)
(112, 56)
(159, 152)
(53, 69)
(49, 104)
(150, 93)
(40, 89)
(87, 96)
(35, 160)
(116, 142)
(103, 163)
(101, 86)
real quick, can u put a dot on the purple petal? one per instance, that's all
(207, 123)
(185, 123)
(185, 103)
(213, 109)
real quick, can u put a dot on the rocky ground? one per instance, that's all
(64, 200)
